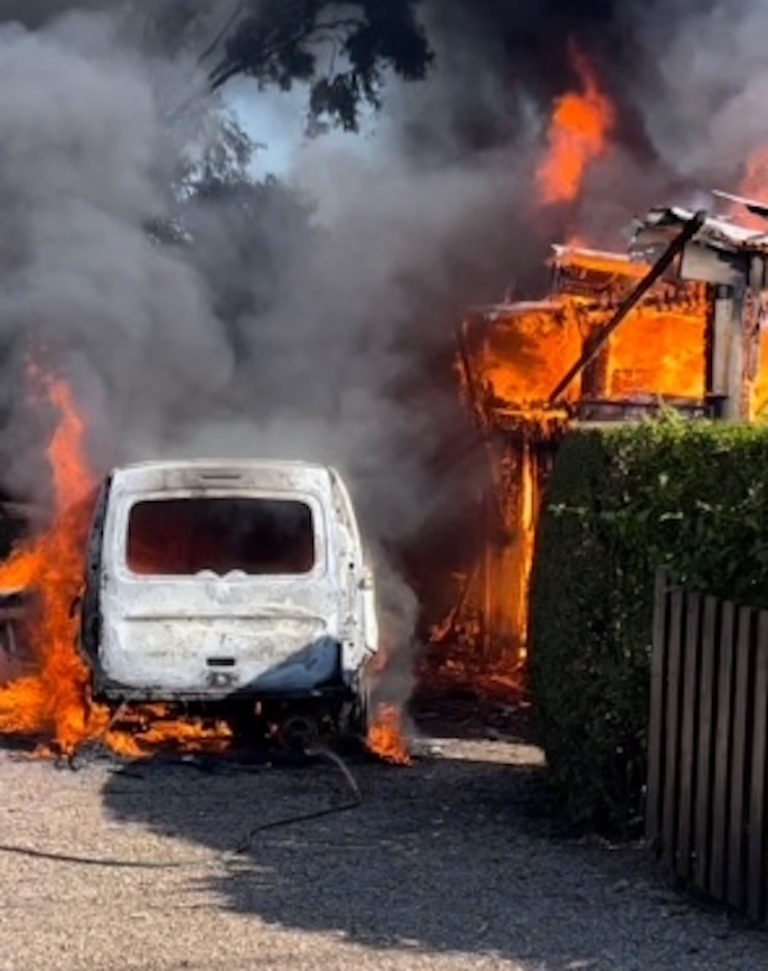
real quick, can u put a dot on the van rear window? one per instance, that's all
(182, 537)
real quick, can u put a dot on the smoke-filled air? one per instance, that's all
(217, 262)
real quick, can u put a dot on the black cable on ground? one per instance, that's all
(235, 854)
(353, 803)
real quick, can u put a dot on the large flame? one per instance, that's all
(512, 359)
(53, 701)
(577, 136)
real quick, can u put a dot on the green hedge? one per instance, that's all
(622, 502)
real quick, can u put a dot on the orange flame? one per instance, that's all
(756, 178)
(148, 728)
(754, 185)
(54, 699)
(577, 135)
(511, 362)
(386, 737)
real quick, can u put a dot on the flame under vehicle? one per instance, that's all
(239, 583)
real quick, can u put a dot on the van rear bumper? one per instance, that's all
(112, 691)
(314, 671)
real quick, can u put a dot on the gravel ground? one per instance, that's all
(441, 867)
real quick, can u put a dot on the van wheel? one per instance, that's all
(299, 733)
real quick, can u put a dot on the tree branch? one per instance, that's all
(222, 73)
(221, 35)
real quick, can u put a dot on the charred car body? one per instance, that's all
(230, 582)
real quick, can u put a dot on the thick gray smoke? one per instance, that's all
(688, 78)
(81, 282)
(323, 329)
(711, 65)
(323, 369)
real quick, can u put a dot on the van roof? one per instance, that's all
(174, 465)
(196, 473)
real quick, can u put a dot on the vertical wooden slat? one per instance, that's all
(736, 826)
(756, 857)
(704, 767)
(723, 732)
(672, 732)
(688, 740)
(653, 804)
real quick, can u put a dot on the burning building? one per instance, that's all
(675, 324)
(729, 261)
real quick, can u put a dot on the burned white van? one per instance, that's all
(230, 581)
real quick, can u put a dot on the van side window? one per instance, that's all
(182, 537)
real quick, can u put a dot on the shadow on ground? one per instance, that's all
(448, 856)
(442, 857)
(421, 862)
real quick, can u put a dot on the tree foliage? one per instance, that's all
(342, 50)
(691, 497)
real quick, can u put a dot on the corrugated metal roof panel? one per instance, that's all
(718, 232)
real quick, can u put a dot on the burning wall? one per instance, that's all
(512, 357)
(659, 349)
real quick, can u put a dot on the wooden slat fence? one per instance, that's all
(706, 810)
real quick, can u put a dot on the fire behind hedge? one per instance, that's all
(693, 497)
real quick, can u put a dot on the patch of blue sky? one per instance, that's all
(276, 122)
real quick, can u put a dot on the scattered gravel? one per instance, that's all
(442, 867)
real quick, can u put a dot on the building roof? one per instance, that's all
(662, 224)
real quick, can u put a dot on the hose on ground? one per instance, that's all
(353, 802)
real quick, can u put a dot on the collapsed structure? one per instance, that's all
(678, 322)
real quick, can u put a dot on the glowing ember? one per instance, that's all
(577, 135)
(386, 737)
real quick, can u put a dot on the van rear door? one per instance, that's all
(212, 593)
